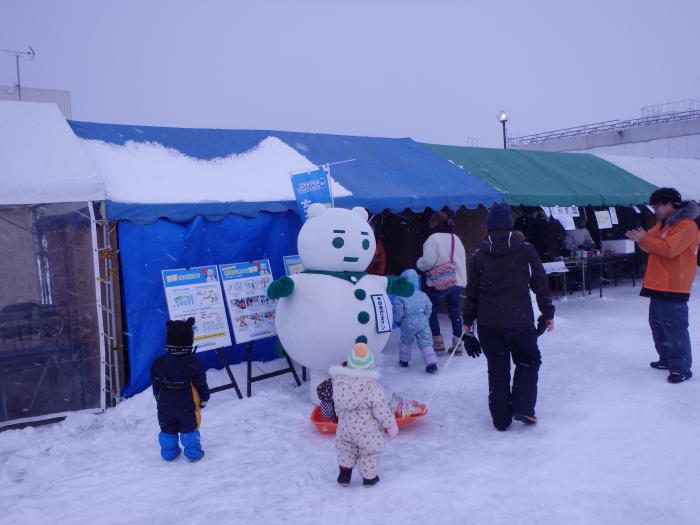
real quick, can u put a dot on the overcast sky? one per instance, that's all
(435, 70)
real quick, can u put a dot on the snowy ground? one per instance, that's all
(615, 444)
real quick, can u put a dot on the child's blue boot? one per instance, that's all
(169, 448)
(193, 446)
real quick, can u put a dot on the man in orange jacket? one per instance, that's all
(672, 245)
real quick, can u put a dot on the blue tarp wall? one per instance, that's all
(147, 249)
(393, 174)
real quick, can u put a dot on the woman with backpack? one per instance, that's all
(445, 265)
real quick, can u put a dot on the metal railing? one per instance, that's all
(602, 127)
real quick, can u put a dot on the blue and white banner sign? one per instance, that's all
(292, 264)
(311, 187)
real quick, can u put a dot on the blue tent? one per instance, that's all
(393, 174)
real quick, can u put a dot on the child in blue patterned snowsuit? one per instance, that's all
(412, 314)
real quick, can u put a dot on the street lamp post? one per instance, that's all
(503, 118)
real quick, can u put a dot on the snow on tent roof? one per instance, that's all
(682, 174)
(385, 173)
(41, 160)
(148, 173)
(535, 178)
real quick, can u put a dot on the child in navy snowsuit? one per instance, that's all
(181, 390)
(412, 314)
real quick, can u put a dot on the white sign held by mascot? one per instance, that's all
(333, 304)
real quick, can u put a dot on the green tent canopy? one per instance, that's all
(534, 178)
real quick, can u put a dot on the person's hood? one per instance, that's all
(501, 242)
(689, 210)
(412, 277)
(344, 371)
(353, 383)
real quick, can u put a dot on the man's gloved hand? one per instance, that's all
(471, 344)
(202, 404)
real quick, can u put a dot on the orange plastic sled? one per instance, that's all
(325, 426)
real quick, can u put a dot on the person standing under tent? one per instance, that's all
(672, 246)
(579, 238)
(441, 248)
(501, 274)
(546, 234)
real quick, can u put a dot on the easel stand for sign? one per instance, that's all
(252, 379)
(233, 383)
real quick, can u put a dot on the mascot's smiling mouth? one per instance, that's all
(350, 259)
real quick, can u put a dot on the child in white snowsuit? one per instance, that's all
(413, 315)
(363, 416)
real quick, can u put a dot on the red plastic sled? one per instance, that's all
(325, 426)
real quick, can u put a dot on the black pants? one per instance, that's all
(499, 345)
(176, 423)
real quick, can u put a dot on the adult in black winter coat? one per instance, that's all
(181, 390)
(501, 274)
(546, 234)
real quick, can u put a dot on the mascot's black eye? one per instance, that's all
(338, 242)
(365, 244)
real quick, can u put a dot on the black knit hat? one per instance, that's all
(499, 218)
(180, 334)
(666, 196)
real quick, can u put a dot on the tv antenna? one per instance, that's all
(25, 55)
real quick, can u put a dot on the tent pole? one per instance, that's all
(98, 298)
(111, 328)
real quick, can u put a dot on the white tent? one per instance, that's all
(52, 347)
(41, 159)
(682, 174)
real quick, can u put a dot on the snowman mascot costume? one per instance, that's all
(334, 304)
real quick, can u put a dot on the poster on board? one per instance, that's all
(604, 220)
(245, 287)
(292, 264)
(565, 215)
(196, 292)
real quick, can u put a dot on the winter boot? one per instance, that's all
(344, 476)
(404, 353)
(403, 364)
(429, 355)
(679, 377)
(438, 344)
(528, 420)
(431, 368)
(169, 449)
(370, 482)
(193, 446)
(659, 365)
(456, 343)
